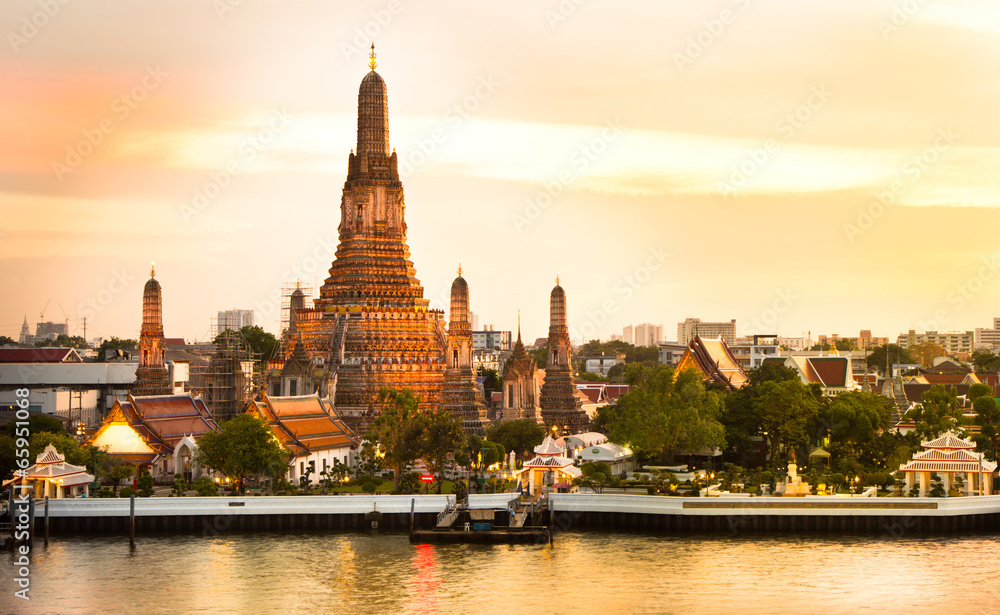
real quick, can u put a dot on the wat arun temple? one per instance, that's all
(371, 327)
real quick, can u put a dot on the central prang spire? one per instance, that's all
(373, 113)
(371, 326)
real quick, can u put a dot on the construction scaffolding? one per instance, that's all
(229, 378)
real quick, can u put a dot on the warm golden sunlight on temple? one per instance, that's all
(533, 306)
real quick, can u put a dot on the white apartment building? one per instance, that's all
(953, 342)
(987, 338)
(691, 327)
(648, 334)
(234, 320)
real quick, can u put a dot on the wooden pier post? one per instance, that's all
(413, 503)
(31, 520)
(46, 521)
(131, 521)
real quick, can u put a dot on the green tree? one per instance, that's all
(5, 341)
(443, 434)
(243, 447)
(924, 353)
(8, 456)
(369, 460)
(116, 470)
(64, 341)
(491, 380)
(541, 357)
(145, 484)
(665, 413)
(179, 486)
(484, 453)
(37, 422)
(397, 431)
(520, 436)
(114, 343)
(985, 361)
(988, 419)
(65, 444)
(262, 343)
(897, 354)
(852, 421)
(937, 412)
(617, 372)
(596, 475)
(979, 390)
(739, 415)
(205, 487)
(786, 409)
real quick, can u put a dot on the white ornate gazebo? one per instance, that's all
(52, 477)
(549, 468)
(948, 456)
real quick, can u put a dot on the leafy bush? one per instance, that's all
(205, 486)
(410, 483)
(180, 486)
(369, 486)
(126, 492)
(145, 484)
(105, 492)
(284, 487)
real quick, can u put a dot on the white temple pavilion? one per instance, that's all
(550, 469)
(53, 477)
(948, 456)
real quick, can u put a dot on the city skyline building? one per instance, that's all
(953, 342)
(234, 320)
(695, 327)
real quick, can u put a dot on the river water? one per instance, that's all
(584, 573)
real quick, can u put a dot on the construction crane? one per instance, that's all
(65, 317)
(42, 315)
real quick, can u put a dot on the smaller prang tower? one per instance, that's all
(460, 394)
(152, 377)
(561, 409)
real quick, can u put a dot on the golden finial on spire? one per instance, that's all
(152, 269)
(372, 62)
(459, 266)
(298, 283)
(557, 278)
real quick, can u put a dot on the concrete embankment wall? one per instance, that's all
(215, 515)
(211, 516)
(811, 514)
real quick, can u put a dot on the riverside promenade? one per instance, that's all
(732, 515)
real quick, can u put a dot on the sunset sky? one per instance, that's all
(814, 166)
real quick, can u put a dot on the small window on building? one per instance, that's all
(302, 468)
(276, 389)
(293, 387)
